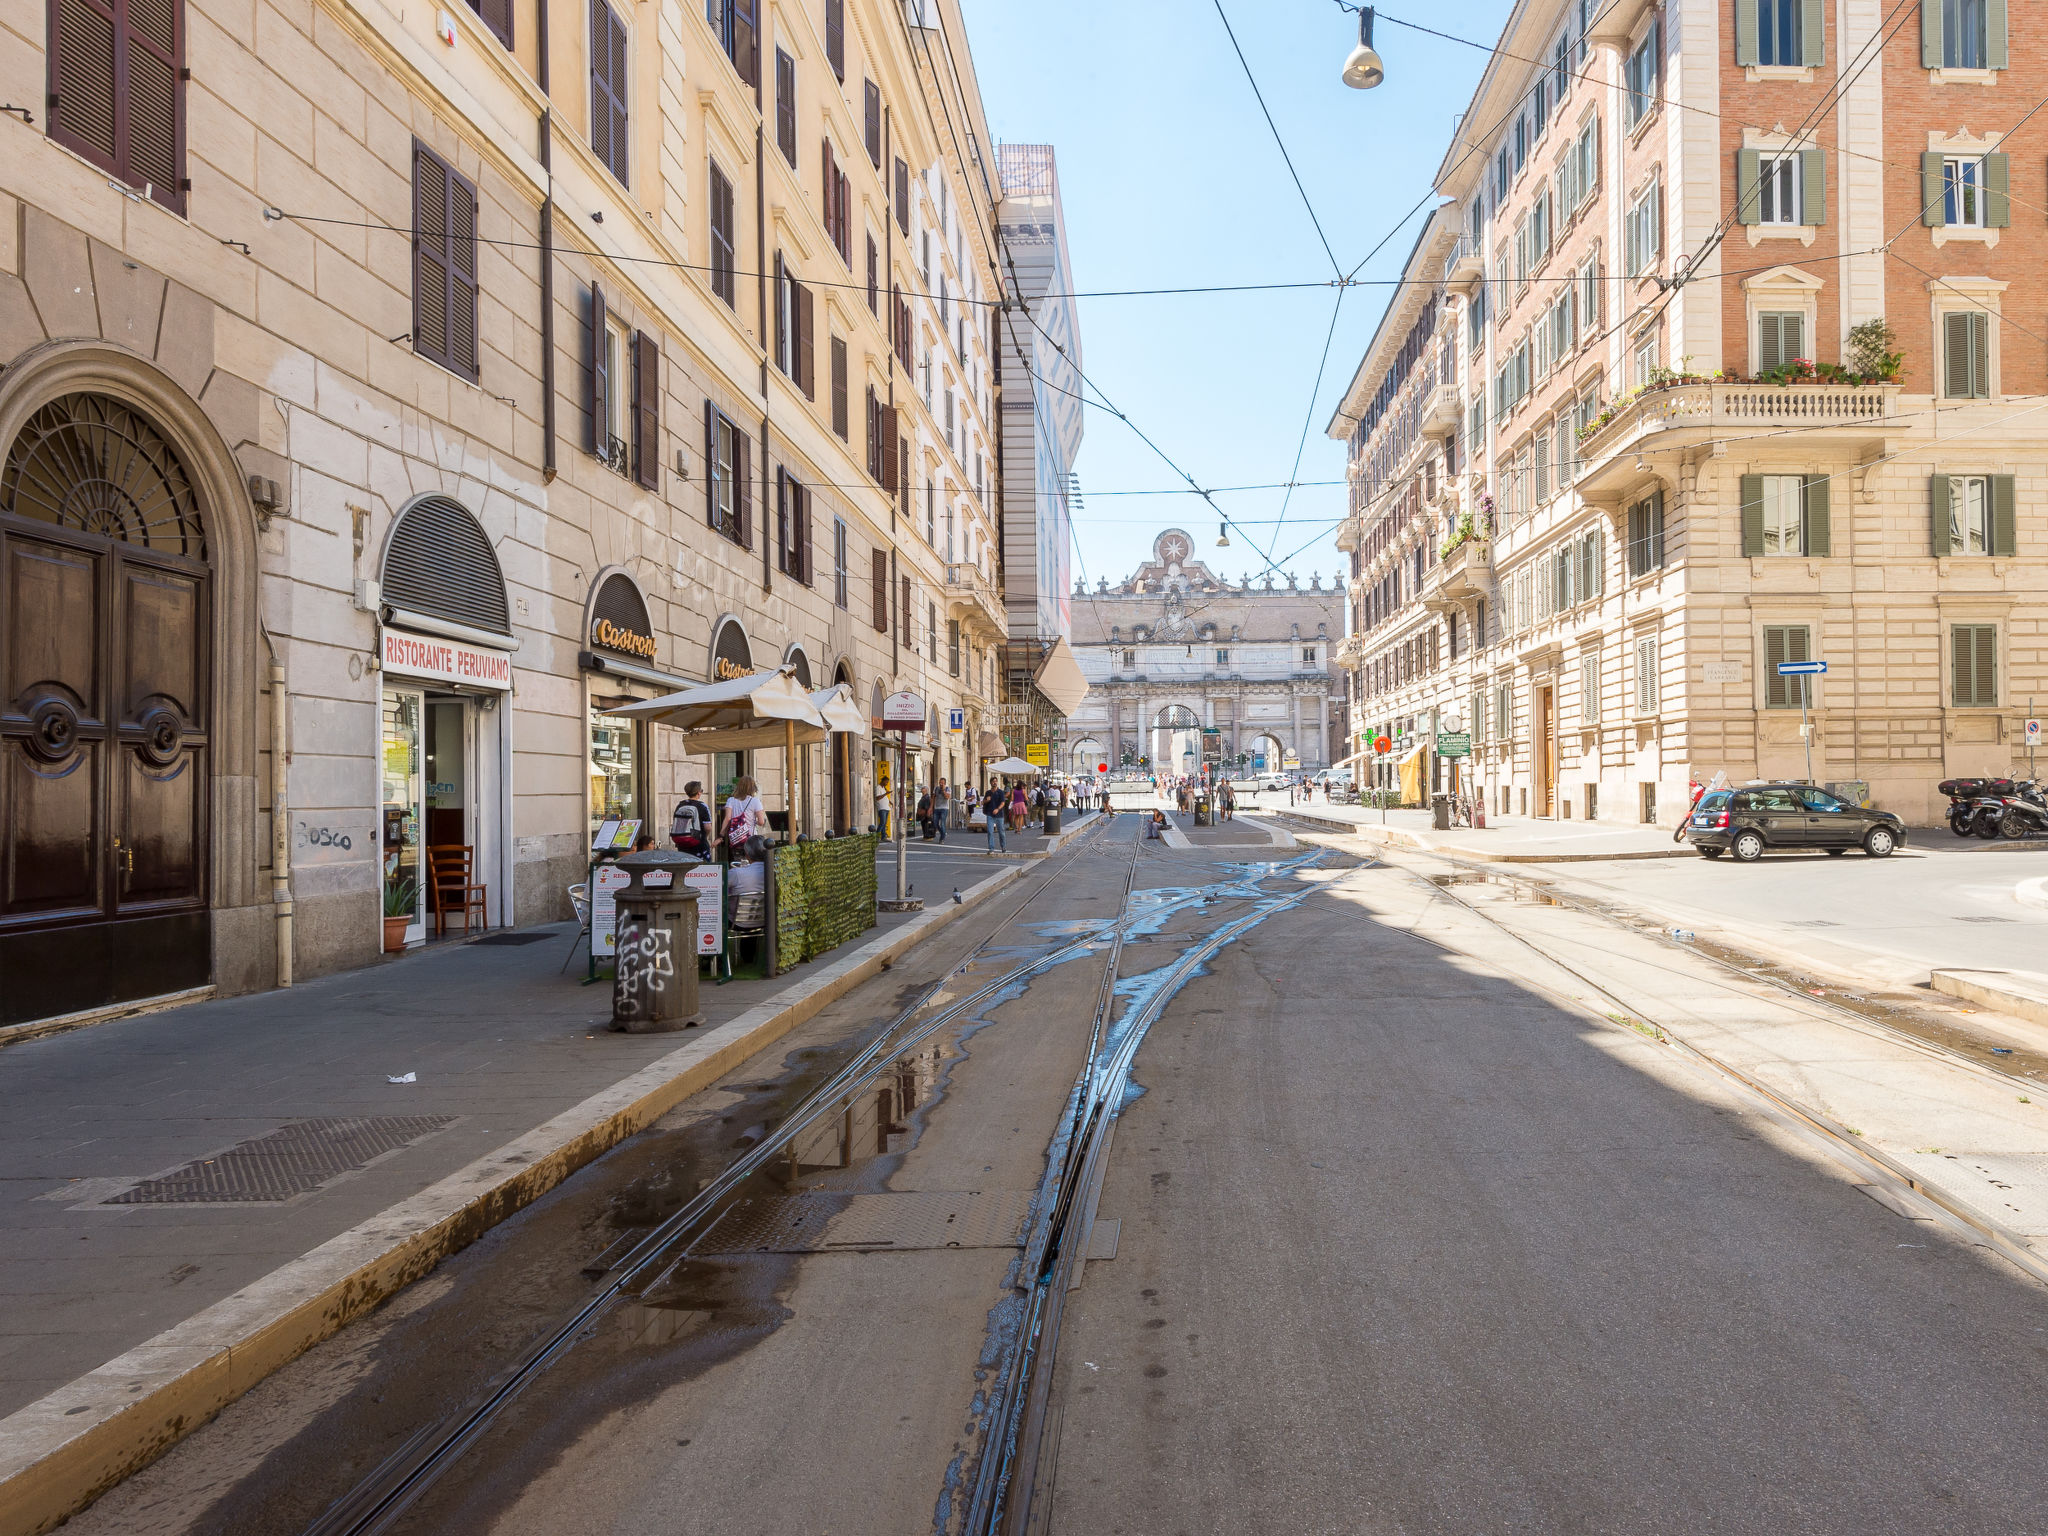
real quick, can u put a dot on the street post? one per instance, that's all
(902, 713)
(1803, 670)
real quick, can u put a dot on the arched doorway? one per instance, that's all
(1085, 754)
(843, 783)
(106, 712)
(1267, 755)
(1174, 741)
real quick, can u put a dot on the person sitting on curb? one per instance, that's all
(1156, 827)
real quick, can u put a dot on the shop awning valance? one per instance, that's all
(1059, 678)
(840, 714)
(765, 709)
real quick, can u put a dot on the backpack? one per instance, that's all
(688, 822)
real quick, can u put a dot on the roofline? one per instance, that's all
(1433, 229)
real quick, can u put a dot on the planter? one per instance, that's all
(394, 934)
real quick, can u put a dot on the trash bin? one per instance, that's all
(654, 987)
(1052, 821)
(1440, 812)
(1204, 816)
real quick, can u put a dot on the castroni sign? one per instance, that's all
(448, 661)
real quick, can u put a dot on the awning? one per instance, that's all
(992, 745)
(1014, 765)
(1059, 678)
(1420, 748)
(841, 715)
(760, 710)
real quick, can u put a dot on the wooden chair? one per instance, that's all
(449, 867)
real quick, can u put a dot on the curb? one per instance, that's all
(1999, 990)
(1395, 837)
(60, 1453)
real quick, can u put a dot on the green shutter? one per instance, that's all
(2003, 520)
(1930, 34)
(1818, 526)
(1994, 34)
(1813, 186)
(1748, 205)
(1938, 514)
(1745, 32)
(1987, 663)
(1792, 335)
(1997, 201)
(1775, 695)
(1812, 34)
(1930, 163)
(1955, 360)
(1752, 514)
(1962, 653)
(1770, 345)
(1980, 355)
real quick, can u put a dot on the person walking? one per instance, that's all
(992, 813)
(1018, 809)
(942, 802)
(742, 819)
(882, 810)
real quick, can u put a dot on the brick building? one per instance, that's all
(1726, 352)
(385, 392)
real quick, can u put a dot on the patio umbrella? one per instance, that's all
(840, 713)
(763, 709)
(1014, 765)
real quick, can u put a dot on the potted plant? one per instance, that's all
(398, 905)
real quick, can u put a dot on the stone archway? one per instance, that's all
(1084, 754)
(1173, 740)
(1267, 752)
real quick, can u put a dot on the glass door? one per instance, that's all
(401, 762)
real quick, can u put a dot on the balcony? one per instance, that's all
(972, 598)
(1679, 415)
(1464, 266)
(1460, 576)
(1440, 410)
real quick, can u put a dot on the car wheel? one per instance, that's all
(1878, 842)
(1747, 847)
(1710, 853)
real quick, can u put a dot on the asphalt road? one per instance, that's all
(1408, 1247)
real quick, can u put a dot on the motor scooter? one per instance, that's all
(2012, 810)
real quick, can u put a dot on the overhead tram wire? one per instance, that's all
(1308, 419)
(1259, 95)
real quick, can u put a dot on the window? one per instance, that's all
(1778, 190)
(1774, 514)
(1973, 514)
(878, 572)
(841, 574)
(613, 340)
(1503, 176)
(1644, 231)
(1962, 191)
(1646, 535)
(1589, 300)
(1645, 359)
(1962, 34)
(871, 120)
(721, 236)
(1308, 655)
(1592, 558)
(953, 646)
(1641, 75)
(1540, 462)
(1504, 712)
(903, 196)
(1589, 688)
(117, 91)
(1646, 675)
(840, 410)
(1975, 651)
(736, 25)
(645, 424)
(1780, 338)
(1966, 354)
(728, 488)
(1223, 658)
(609, 71)
(1130, 660)
(604, 394)
(794, 351)
(792, 527)
(1539, 226)
(444, 291)
(1783, 643)
(835, 37)
(785, 105)
(931, 630)
(1478, 712)
(838, 205)
(1779, 33)
(1579, 174)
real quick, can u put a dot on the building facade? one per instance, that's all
(384, 395)
(1720, 357)
(1186, 669)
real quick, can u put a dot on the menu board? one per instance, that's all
(606, 881)
(708, 881)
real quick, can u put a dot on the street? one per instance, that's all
(1406, 1226)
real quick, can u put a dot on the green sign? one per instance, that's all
(1453, 743)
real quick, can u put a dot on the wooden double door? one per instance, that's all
(105, 716)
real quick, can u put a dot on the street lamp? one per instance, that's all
(1363, 70)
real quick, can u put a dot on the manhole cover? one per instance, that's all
(289, 1161)
(511, 938)
(897, 1221)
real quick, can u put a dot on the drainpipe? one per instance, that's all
(280, 814)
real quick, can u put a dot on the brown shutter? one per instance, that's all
(597, 390)
(462, 278)
(785, 105)
(879, 569)
(646, 410)
(781, 519)
(429, 253)
(873, 95)
(806, 351)
(840, 423)
(742, 488)
(117, 95)
(829, 184)
(83, 44)
(746, 40)
(609, 73)
(710, 464)
(904, 620)
(497, 15)
(891, 465)
(903, 196)
(835, 36)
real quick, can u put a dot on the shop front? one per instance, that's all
(444, 757)
(732, 656)
(619, 669)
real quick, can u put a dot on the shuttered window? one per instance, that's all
(609, 70)
(1646, 535)
(835, 37)
(439, 562)
(879, 568)
(841, 575)
(728, 486)
(792, 527)
(785, 105)
(1973, 514)
(1973, 650)
(497, 15)
(737, 26)
(444, 287)
(907, 626)
(1646, 675)
(871, 95)
(1589, 688)
(838, 205)
(721, 236)
(953, 646)
(1966, 354)
(840, 411)
(1963, 34)
(116, 95)
(1780, 337)
(903, 196)
(1783, 643)
(646, 410)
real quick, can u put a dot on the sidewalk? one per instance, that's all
(131, 1322)
(1504, 839)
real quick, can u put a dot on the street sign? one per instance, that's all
(903, 712)
(956, 719)
(1383, 744)
(1800, 668)
(1453, 743)
(2033, 733)
(1037, 754)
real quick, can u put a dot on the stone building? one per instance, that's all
(1185, 667)
(1717, 359)
(386, 392)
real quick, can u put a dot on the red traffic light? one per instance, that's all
(1383, 744)
(1102, 767)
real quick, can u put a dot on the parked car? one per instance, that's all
(1760, 818)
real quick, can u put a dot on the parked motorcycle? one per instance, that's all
(1966, 803)
(2010, 809)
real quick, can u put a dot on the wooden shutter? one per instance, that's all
(1813, 186)
(1777, 691)
(1930, 34)
(1770, 347)
(1997, 192)
(646, 411)
(1819, 524)
(1996, 54)
(710, 464)
(906, 620)
(785, 105)
(880, 583)
(1812, 33)
(1932, 213)
(497, 15)
(835, 37)
(746, 40)
(892, 464)
(783, 542)
(742, 489)
(2004, 518)
(1974, 648)
(844, 199)
(1939, 540)
(85, 111)
(429, 253)
(829, 190)
(872, 98)
(1955, 360)
(803, 534)
(840, 422)
(117, 94)
(806, 358)
(608, 77)
(903, 196)
(597, 385)
(1745, 33)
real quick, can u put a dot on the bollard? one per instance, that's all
(654, 985)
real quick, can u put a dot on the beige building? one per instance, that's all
(386, 391)
(1723, 355)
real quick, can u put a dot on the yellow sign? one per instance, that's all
(1037, 754)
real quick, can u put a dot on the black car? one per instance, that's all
(1757, 818)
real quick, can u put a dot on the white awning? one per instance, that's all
(759, 710)
(1014, 765)
(1059, 678)
(841, 715)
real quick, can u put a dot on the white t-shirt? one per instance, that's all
(744, 818)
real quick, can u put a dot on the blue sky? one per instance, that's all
(1170, 177)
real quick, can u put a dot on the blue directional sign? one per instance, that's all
(1800, 668)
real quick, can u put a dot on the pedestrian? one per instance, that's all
(743, 823)
(942, 803)
(992, 812)
(882, 811)
(924, 815)
(1018, 809)
(690, 828)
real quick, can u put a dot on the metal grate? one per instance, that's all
(439, 561)
(289, 1161)
(899, 1222)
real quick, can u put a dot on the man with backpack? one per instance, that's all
(690, 830)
